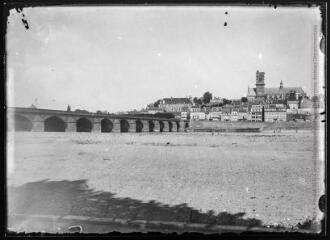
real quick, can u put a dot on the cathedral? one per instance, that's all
(260, 92)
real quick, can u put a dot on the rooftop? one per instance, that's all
(177, 101)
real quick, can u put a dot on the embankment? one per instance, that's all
(218, 125)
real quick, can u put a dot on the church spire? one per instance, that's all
(281, 84)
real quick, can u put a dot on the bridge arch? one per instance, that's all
(22, 123)
(106, 125)
(161, 126)
(151, 126)
(139, 125)
(54, 124)
(84, 125)
(170, 126)
(124, 125)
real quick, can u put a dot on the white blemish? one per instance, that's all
(260, 56)
(257, 215)
(159, 54)
(196, 86)
(247, 189)
(119, 38)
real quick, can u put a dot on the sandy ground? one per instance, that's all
(276, 178)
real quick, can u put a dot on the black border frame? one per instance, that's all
(20, 4)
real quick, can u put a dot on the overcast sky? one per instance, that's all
(123, 58)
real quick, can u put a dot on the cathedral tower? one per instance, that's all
(260, 84)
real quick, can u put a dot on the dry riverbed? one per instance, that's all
(273, 177)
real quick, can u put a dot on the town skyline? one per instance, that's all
(130, 62)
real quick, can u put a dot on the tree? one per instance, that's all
(244, 99)
(195, 100)
(156, 104)
(207, 97)
(226, 101)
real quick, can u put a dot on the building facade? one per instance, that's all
(257, 113)
(273, 113)
(175, 104)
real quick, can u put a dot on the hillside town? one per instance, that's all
(261, 104)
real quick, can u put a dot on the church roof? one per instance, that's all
(251, 92)
(285, 90)
(275, 91)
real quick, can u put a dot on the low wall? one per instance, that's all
(246, 125)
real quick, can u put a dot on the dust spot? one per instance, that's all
(26, 25)
(225, 24)
(24, 20)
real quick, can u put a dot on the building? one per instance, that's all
(273, 93)
(216, 109)
(293, 104)
(152, 110)
(194, 109)
(196, 116)
(184, 115)
(215, 116)
(306, 103)
(244, 115)
(225, 113)
(175, 104)
(257, 113)
(274, 113)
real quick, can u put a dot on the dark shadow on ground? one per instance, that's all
(76, 198)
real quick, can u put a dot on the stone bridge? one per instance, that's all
(45, 120)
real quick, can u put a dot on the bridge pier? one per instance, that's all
(166, 127)
(182, 126)
(157, 126)
(71, 127)
(38, 126)
(145, 126)
(116, 126)
(132, 125)
(96, 126)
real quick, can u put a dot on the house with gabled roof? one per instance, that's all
(175, 104)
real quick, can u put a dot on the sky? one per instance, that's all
(123, 58)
